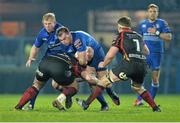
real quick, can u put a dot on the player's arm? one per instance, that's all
(166, 32)
(110, 55)
(166, 36)
(33, 53)
(81, 56)
(146, 50)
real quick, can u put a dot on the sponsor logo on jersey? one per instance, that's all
(44, 39)
(78, 43)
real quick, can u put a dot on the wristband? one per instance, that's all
(32, 59)
(157, 33)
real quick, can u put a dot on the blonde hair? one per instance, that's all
(48, 16)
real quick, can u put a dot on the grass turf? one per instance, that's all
(170, 105)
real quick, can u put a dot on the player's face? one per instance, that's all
(152, 14)
(49, 25)
(65, 38)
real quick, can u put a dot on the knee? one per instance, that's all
(138, 88)
(155, 80)
(54, 84)
(38, 84)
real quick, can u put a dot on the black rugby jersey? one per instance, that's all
(130, 44)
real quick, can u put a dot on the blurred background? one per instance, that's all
(20, 22)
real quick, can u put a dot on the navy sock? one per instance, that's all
(101, 99)
(33, 100)
(154, 89)
(109, 91)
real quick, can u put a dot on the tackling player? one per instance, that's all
(78, 41)
(133, 66)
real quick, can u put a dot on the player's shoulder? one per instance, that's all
(144, 21)
(159, 20)
(80, 32)
(42, 32)
(58, 25)
(136, 33)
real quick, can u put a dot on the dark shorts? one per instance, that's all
(56, 67)
(135, 70)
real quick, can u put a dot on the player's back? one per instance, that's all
(130, 43)
(84, 38)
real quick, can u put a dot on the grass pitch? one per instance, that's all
(170, 105)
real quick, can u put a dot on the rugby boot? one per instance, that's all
(68, 102)
(157, 109)
(58, 105)
(138, 103)
(82, 104)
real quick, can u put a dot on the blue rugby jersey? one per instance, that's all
(46, 37)
(80, 41)
(154, 42)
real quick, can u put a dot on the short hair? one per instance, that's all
(62, 30)
(153, 6)
(48, 16)
(125, 21)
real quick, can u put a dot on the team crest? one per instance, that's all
(144, 26)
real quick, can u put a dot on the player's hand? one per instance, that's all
(104, 82)
(101, 65)
(29, 62)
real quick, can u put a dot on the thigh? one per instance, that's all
(42, 72)
(122, 70)
(74, 84)
(139, 72)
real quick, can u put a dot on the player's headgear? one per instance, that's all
(61, 30)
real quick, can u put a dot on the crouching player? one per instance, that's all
(133, 66)
(61, 68)
(88, 74)
(78, 41)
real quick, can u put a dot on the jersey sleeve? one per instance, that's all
(116, 41)
(165, 27)
(140, 29)
(38, 42)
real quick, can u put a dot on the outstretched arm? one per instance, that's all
(33, 53)
(110, 55)
(166, 36)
